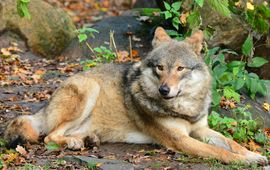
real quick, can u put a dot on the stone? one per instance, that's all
(47, 33)
(106, 164)
(127, 22)
(228, 32)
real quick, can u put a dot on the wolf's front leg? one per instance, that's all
(217, 139)
(175, 136)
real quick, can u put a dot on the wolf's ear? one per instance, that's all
(160, 37)
(196, 40)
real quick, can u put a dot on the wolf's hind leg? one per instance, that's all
(215, 138)
(82, 112)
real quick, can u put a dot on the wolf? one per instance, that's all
(163, 99)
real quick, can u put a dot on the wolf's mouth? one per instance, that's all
(167, 97)
(170, 97)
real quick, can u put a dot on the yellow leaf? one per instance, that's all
(5, 52)
(237, 4)
(98, 165)
(183, 18)
(250, 6)
(266, 106)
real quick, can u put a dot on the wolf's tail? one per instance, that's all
(25, 128)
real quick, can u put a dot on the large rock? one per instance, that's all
(231, 33)
(121, 25)
(48, 31)
(228, 32)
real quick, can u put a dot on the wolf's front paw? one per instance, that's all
(75, 143)
(256, 158)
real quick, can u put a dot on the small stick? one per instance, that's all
(91, 49)
(130, 47)
(113, 43)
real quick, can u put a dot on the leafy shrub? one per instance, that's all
(241, 130)
(230, 77)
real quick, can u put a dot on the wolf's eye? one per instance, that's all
(160, 67)
(180, 68)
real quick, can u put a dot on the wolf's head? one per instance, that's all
(174, 68)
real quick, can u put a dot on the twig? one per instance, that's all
(130, 47)
(112, 43)
(91, 49)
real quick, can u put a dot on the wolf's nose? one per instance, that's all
(164, 90)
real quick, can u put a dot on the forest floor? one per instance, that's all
(27, 83)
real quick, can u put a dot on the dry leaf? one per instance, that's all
(21, 150)
(266, 106)
(5, 52)
(250, 6)
(253, 146)
(183, 18)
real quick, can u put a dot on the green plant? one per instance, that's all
(22, 8)
(84, 33)
(174, 34)
(103, 55)
(230, 77)
(1, 164)
(91, 165)
(172, 12)
(241, 130)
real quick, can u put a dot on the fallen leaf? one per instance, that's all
(21, 150)
(266, 106)
(250, 6)
(253, 146)
(5, 52)
(183, 17)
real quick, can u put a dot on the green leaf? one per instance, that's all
(52, 146)
(22, 9)
(82, 37)
(260, 137)
(238, 84)
(261, 25)
(257, 62)
(176, 5)
(253, 86)
(200, 2)
(146, 11)
(240, 134)
(173, 33)
(221, 6)
(215, 97)
(167, 6)
(219, 70)
(208, 32)
(194, 19)
(176, 22)
(91, 165)
(1, 164)
(91, 30)
(236, 64)
(261, 88)
(25, 1)
(229, 93)
(167, 14)
(247, 47)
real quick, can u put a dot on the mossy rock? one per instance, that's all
(48, 32)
